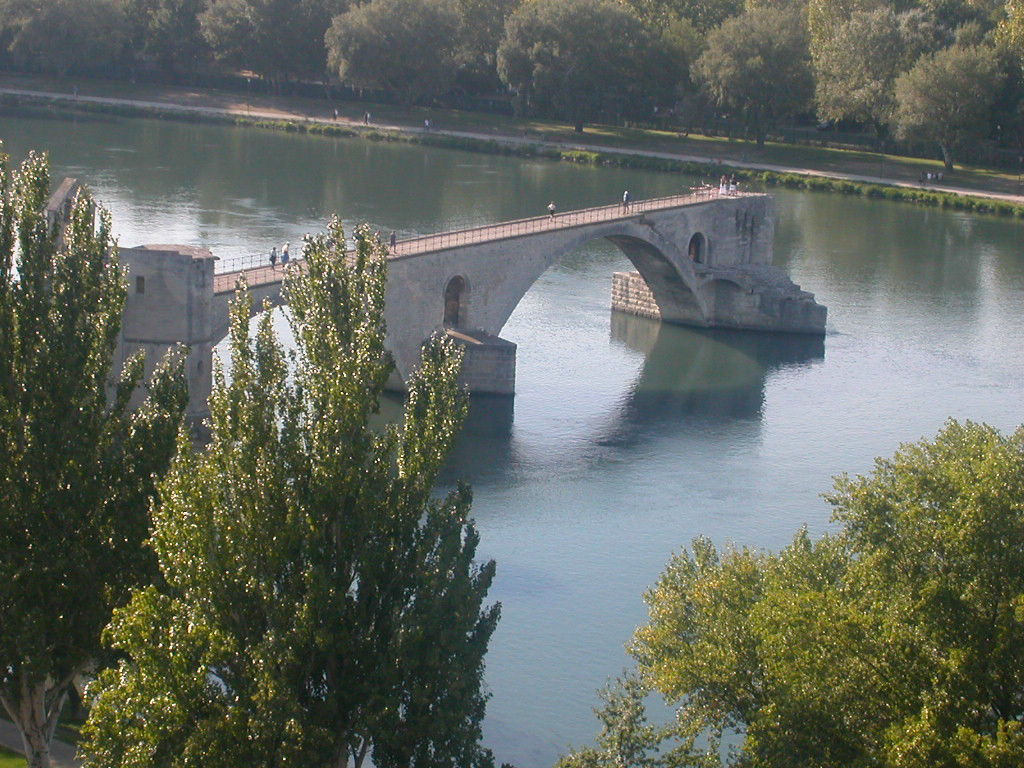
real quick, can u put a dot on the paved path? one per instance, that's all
(62, 755)
(286, 114)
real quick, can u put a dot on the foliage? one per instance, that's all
(166, 31)
(946, 97)
(63, 36)
(575, 58)
(703, 15)
(319, 602)
(279, 39)
(1010, 32)
(627, 739)
(856, 68)
(78, 465)
(825, 16)
(481, 27)
(411, 49)
(406, 47)
(954, 14)
(889, 192)
(895, 642)
(757, 67)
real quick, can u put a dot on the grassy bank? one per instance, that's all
(9, 759)
(547, 146)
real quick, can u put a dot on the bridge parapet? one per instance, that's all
(533, 225)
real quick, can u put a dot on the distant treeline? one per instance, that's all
(946, 72)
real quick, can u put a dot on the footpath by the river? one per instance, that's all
(219, 104)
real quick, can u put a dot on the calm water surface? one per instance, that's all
(625, 439)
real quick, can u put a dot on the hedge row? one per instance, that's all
(550, 151)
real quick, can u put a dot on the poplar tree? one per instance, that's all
(318, 603)
(76, 466)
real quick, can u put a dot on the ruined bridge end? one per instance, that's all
(169, 302)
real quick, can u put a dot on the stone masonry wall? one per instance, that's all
(631, 294)
(489, 365)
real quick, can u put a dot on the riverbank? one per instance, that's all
(843, 171)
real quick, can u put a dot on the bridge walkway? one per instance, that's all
(257, 271)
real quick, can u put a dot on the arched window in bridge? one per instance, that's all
(454, 301)
(698, 249)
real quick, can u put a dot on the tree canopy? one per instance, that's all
(575, 58)
(166, 30)
(279, 39)
(63, 36)
(895, 642)
(406, 47)
(317, 602)
(946, 97)
(78, 467)
(857, 66)
(757, 67)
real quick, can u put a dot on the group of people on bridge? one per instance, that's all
(285, 256)
(727, 185)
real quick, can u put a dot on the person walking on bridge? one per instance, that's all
(551, 209)
(284, 254)
(273, 257)
(625, 200)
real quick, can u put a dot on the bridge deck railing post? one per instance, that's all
(503, 230)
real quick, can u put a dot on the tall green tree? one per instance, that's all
(406, 47)
(857, 66)
(577, 59)
(946, 97)
(78, 467)
(756, 67)
(319, 603)
(278, 39)
(166, 31)
(895, 642)
(481, 28)
(63, 36)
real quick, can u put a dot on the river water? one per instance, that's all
(625, 439)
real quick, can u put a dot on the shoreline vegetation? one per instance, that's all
(611, 148)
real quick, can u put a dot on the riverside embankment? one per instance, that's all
(306, 115)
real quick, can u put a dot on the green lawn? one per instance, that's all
(10, 759)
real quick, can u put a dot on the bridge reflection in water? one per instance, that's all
(690, 379)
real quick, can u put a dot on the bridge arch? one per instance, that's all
(671, 279)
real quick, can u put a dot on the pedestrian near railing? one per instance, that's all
(503, 230)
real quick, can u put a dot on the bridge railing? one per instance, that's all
(506, 229)
(519, 227)
(243, 263)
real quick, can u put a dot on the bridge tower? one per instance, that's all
(170, 301)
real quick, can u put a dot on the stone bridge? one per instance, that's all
(702, 259)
